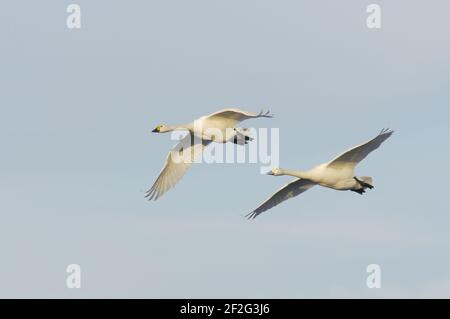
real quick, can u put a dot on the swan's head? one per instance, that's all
(275, 172)
(161, 128)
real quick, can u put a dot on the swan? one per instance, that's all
(217, 127)
(337, 174)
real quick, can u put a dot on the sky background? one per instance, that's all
(77, 155)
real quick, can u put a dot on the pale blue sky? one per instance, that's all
(77, 107)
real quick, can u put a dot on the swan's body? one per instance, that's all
(219, 127)
(337, 174)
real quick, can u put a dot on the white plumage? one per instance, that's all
(217, 127)
(336, 174)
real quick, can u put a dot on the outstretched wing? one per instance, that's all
(238, 115)
(290, 190)
(349, 159)
(178, 161)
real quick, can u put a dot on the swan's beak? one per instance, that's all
(269, 173)
(156, 130)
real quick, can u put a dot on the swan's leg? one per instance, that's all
(240, 141)
(241, 136)
(237, 141)
(363, 184)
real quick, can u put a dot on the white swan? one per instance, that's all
(217, 127)
(337, 174)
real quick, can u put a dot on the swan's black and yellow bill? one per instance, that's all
(157, 129)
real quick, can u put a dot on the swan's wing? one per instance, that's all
(353, 156)
(238, 115)
(178, 161)
(290, 190)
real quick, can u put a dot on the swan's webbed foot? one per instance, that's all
(359, 191)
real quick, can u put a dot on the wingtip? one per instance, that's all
(251, 215)
(150, 194)
(266, 114)
(148, 197)
(386, 131)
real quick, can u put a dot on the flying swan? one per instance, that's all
(219, 127)
(337, 174)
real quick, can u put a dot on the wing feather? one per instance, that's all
(288, 191)
(238, 115)
(351, 157)
(178, 161)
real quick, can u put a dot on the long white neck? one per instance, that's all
(182, 127)
(299, 174)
